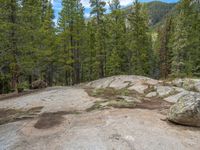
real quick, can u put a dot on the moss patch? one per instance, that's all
(96, 106)
(100, 105)
(110, 93)
(113, 98)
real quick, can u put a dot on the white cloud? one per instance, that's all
(126, 2)
(87, 15)
(86, 3)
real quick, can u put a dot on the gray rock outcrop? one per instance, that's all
(186, 111)
(188, 84)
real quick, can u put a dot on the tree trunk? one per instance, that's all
(30, 81)
(50, 75)
(66, 78)
(14, 67)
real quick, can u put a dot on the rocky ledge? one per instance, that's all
(184, 94)
(119, 112)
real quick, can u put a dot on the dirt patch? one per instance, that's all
(121, 104)
(49, 120)
(12, 115)
(154, 104)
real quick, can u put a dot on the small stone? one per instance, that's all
(164, 90)
(152, 94)
(140, 88)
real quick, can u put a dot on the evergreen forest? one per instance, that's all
(136, 40)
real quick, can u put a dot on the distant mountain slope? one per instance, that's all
(157, 10)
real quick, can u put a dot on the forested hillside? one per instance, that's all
(157, 11)
(33, 48)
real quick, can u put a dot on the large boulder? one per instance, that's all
(39, 84)
(186, 111)
(197, 86)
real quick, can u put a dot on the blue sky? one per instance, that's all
(57, 5)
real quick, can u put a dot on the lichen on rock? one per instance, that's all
(186, 111)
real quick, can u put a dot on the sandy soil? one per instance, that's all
(111, 129)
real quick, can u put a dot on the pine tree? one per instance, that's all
(9, 47)
(165, 53)
(71, 24)
(30, 45)
(196, 39)
(44, 6)
(88, 56)
(182, 41)
(117, 39)
(79, 44)
(47, 52)
(139, 41)
(65, 52)
(98, 11)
